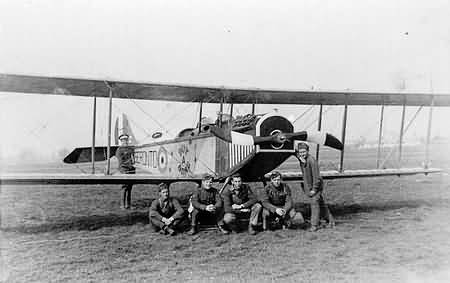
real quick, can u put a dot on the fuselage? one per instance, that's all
(201, 152)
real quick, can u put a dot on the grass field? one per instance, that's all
(388, 230)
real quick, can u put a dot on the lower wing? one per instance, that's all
(87, 179)
(333, 174)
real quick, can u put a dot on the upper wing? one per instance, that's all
(186, 93)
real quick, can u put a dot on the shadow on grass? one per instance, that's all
(95, 222)
(342, 210)
(89, 223)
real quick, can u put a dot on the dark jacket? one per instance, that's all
(125, 157)
(273, 198)
(170, 208)
(243, 195)
(201, 198)
(311, 175)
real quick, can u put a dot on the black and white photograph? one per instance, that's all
(225, 141)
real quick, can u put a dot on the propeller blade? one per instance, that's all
(321, 138)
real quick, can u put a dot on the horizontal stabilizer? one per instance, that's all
(84, 154)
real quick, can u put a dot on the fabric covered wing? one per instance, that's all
(187, 93)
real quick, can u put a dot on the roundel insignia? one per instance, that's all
(162, 159)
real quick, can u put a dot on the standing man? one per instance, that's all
(313, 186)
(237, 199)
(207, 203)
(125, 156)
(166, 213)
(277, 202)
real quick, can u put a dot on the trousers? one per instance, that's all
(196, 214)
(158, 224)
(126, 199)
(230, 217)
(267, 216)
(318, 209)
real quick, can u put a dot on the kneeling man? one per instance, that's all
(166, 213)
(277, 202)
(207, 203)
(239, 198)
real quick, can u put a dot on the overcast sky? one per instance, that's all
(325, 45)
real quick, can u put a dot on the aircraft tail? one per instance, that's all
(122, 126)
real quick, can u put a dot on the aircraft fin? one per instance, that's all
(122, 126)
(83, 154)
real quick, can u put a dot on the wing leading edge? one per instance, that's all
(188, 93)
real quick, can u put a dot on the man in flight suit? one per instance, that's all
(166, 213)
(239, 198)
(313, 186)
(206, 202)
(277, 202)
(125, 156)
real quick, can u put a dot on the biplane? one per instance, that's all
(252, 145)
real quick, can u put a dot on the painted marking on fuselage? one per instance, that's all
(237, 153)
(162, 159)
(178, 158)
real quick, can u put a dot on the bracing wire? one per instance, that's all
(303, 114)
(316, 119)
(394, 149)
(148, 115)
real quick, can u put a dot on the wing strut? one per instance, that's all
(230, 121)
(94, 116)
(380, 136)
(200, 118)
(108, 149)
(221, 112)
(400, 143)
(319, 128)
(344, 127)
(427, 148)
(404, 132)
